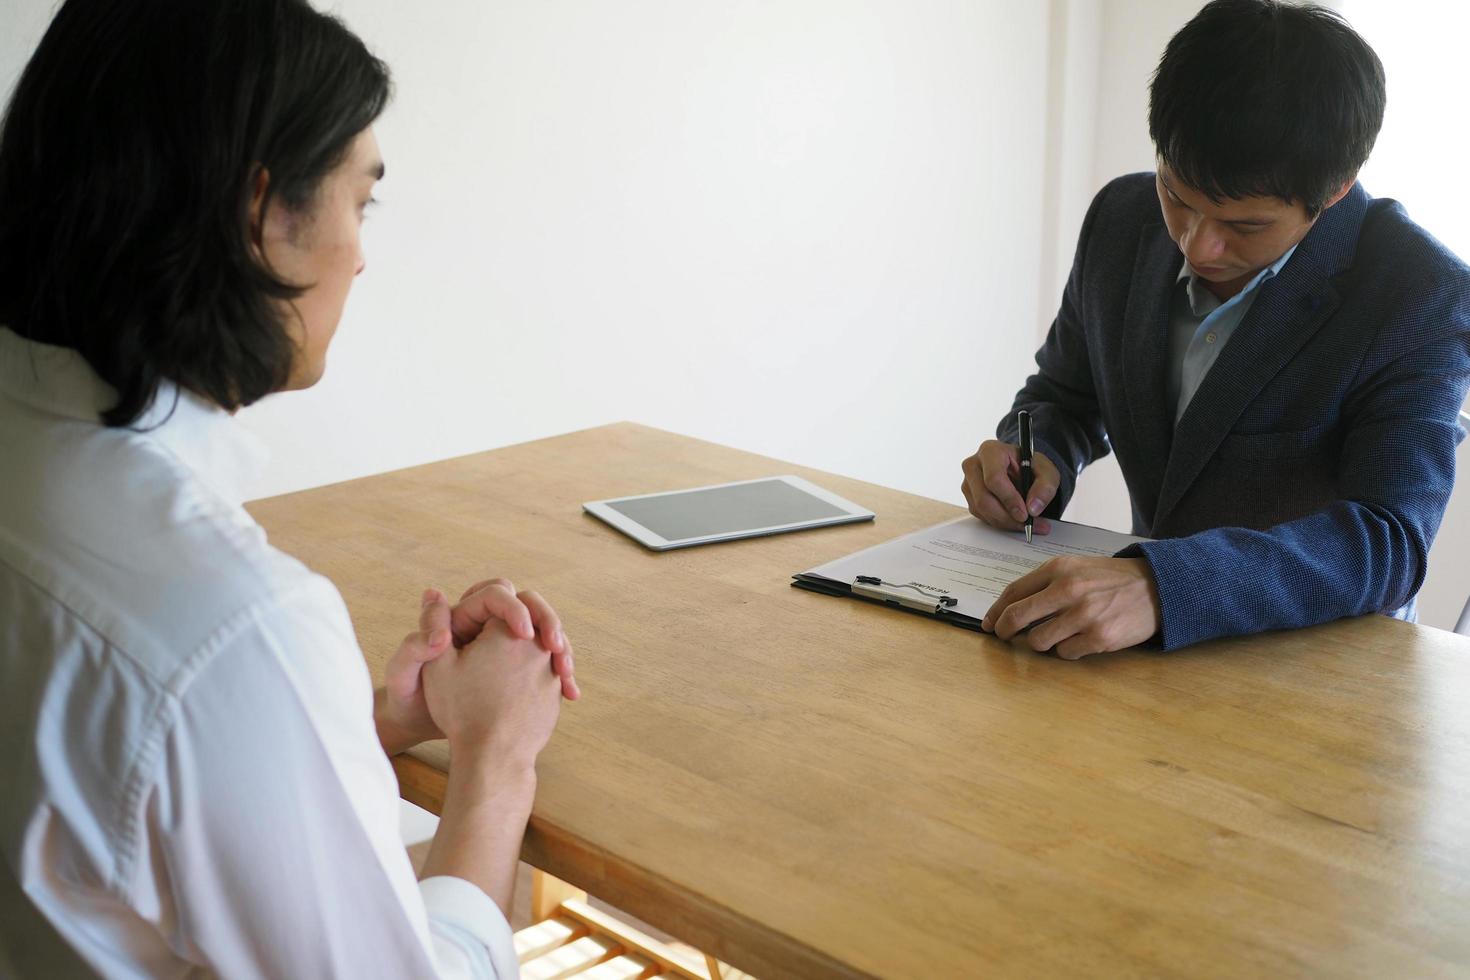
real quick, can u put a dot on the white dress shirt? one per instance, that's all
(190, 779)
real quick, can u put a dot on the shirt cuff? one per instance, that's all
(471, 935)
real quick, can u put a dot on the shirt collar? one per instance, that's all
(1202, 301)
(58, 381)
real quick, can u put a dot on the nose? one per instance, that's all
(1203, 244)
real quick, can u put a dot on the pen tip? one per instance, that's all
(1028, 533)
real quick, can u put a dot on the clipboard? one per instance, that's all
(953, 571)
(907, 596)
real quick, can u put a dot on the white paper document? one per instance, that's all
(967, 559)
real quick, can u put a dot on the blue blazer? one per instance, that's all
(1308, 476)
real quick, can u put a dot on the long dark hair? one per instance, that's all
(128, 159)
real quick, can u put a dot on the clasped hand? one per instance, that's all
(403, 713)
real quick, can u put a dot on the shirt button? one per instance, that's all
(1210, 337)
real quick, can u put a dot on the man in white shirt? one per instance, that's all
(195, 765)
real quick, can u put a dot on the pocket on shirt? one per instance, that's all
(1277, 445)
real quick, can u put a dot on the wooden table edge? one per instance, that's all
(707, 924)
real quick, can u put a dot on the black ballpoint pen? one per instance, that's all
(1023, 417)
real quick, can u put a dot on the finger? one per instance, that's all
(495, 600)
(987, 508)
(970, 467)
(1027, 600)
(401, 674)
(973, 484)
(1019, 589)
(1040, 498)
(1028, 613)
(1058, 631)
(417, 651)
(571, 674)
(1078, 646)
(434, 626)
(997, 478)
(545, 620)
(1048, 481)
(978, 500)
(564, 669)
(993, 512)
(484, 582)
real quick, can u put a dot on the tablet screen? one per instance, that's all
(725, 510)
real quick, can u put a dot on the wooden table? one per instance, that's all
(809, 786)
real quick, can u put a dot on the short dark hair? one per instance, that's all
(128, 160)
(1259, 98)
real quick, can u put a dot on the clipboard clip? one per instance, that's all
(910, 594)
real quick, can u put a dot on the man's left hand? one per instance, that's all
(1080, 606)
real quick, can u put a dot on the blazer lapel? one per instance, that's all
(1146, 355)
(1288, 311)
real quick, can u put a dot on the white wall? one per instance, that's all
(802, 228)
(762, 223)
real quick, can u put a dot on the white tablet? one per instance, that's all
(770, 505)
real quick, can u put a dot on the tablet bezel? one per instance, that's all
(657, 542)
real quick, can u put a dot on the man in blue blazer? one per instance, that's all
(1277, 358)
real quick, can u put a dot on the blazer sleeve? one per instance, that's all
(1367, 551)
(1066, 421)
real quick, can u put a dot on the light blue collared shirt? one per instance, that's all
(1200, 326)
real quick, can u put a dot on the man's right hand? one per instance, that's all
(496, 695)
(527, 615)
(496, 699)
(991, 491)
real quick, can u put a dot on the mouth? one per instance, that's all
(1209, 270)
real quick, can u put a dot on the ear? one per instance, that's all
(259, 182)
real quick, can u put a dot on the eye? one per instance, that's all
(1247, 229)
(1174, 198)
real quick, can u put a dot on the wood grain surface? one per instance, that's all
(808, 786)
